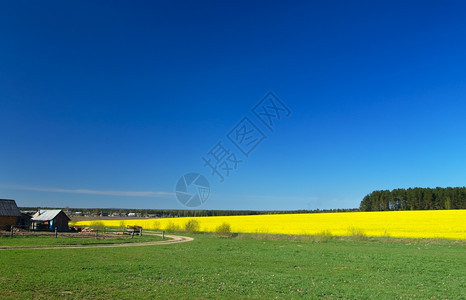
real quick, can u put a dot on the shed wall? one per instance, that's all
(61, 222)
(7, 221)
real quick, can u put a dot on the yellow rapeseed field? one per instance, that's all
(448, 224)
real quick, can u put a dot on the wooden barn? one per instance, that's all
(49, 220)
(9, 213)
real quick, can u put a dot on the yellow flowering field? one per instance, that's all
(450, 224)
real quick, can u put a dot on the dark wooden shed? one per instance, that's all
(24, 221)
(9, 213)
(49, 220)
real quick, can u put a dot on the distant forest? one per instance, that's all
(175, 213)
(415, 199)
(398, 199)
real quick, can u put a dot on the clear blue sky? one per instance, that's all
(108, 103)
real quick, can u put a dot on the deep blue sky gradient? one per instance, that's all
(122, 98)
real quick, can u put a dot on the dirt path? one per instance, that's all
(173, 239)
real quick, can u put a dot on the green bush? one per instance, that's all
(171, 227)
(357, 233)
(223, 229)
(323, 236)
(192, 226)
(97, 225)
(156, 225)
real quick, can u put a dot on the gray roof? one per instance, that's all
(46, 215)
(8, 208)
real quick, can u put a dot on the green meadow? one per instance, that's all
(247, 266)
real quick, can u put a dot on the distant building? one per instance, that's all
(9, 213)
(49, 220)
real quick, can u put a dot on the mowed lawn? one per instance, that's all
(242, 267)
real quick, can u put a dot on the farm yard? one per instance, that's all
(26, 240)
(259, 265)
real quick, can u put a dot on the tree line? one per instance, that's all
(415, 199)
(397, 199)
(175, 213)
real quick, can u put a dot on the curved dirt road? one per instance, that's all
(174, 239)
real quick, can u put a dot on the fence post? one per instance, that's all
(163, 234)
(140, 232)
(11, 231)
(132, 234)
(96, 233)
(56, 232)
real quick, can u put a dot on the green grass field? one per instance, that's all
(248, 266)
